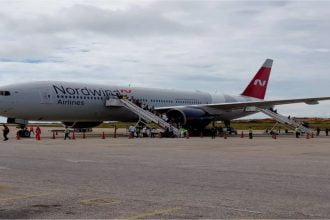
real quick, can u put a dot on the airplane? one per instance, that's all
(82, 105)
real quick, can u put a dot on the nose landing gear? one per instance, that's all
(21, 125)
(23, 132)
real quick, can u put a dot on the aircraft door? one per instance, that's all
(46, 97)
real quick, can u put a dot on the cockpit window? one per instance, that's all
(4, 93)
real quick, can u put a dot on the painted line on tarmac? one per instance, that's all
(119, 144)
(145, 215)
(27, 196)
(244, 210)
(4, 168)
(80, 161)
(99, 201)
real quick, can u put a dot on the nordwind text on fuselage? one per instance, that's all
(78, 92)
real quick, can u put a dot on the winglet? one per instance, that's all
(258, 85)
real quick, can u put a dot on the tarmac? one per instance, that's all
(148, 178)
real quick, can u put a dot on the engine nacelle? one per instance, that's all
(190, 117)
(82, 124)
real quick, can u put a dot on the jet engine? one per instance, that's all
(191, 118)
(84, 124)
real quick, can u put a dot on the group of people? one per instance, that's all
(6, 130)
(145, 131)
(146, 107)
(138, 102)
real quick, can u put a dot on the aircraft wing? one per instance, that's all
(261, 103)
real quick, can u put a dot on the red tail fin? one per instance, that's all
(258, 85)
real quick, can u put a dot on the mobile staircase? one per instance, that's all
(146, 115)
(285, 120)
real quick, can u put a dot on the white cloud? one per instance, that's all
(206, 45)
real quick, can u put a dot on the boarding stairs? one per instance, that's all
(146, 115)
(285, 120)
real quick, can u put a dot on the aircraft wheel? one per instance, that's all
(24, 133)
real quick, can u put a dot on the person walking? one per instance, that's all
(170, 132)
(297, 132)
(213, 132)
(318, 130)
(38, 133)
(250, 133)
(327, 132)
(144, 132)
(131, 131)
(5, 132)
(66, 133)
(31, 130)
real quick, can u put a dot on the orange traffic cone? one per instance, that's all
(53, 135)
(242, 134)
(73, 136)
(17, 136)
(103, 135)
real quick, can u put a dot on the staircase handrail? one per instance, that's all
(285, 120)
(146, 115)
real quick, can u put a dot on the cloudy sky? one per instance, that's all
(214, 46)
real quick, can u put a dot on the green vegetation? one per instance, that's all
(257, 124)
(263, 124)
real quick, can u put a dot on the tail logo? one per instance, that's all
(260, 82)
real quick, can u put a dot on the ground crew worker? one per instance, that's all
(131, 131)
(224, 130)
(327, 131)
(144, 132)
(250, 133)
(66, 133)
(38, 133)
(213, 132)
(318, 130)
(5, 132)
(31, 130)
(297, 132)
(170, 132)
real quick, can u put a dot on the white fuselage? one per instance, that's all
(64, 101)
